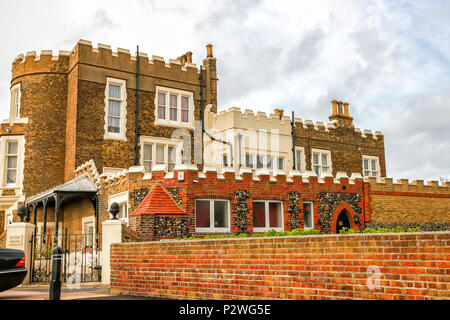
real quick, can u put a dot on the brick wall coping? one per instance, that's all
(399, 235)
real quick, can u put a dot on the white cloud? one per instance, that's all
(389, 59)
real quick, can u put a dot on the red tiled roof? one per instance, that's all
(158, 201)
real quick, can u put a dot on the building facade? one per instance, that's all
(139, 129)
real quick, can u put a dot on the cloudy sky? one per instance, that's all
(389, 59)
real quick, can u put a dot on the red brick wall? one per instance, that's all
(412, 266)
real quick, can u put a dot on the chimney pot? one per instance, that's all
(346, 109)
(279, 113)
(340, 107)
(334, 104)
(209, 52)
(189, 56)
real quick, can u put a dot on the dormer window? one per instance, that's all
(115, 109)
(174, 107)
(15, 102)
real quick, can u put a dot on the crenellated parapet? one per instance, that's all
(408, 186)
(103, 56)
(46, 62)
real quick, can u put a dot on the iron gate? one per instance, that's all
(81, 261)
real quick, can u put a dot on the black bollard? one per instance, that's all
(55, 285)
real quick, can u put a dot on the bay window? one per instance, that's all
(159, 151)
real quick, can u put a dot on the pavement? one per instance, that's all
(86, 291)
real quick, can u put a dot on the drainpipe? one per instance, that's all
(136, 159)
(293, 141)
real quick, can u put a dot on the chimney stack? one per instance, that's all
(341, 114)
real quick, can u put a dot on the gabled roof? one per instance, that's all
(158, 201)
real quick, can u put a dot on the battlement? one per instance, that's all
(404, 185)
(46, 62)
(191, 174)
(121, 59)
(181, 68)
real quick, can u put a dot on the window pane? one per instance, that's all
(147, 166)
(374, 173)
(173, 100)
(220, 214)
(161, 112)
(202, 214)
(307, 215)
(13, 147)
(280, 163)
(184, 103)
(114, 108)
(315, 158)
(366, 173)
(366, 164)
(324, 159)
(148, 149)
(172, 158)
(274, 215)
(324, 169)
(161, 99)
(269, 163)
(113, 124)
(259, 162)
(249, 161)
(115, 91)
(173, 114)
(160, 154)
(259, 214)
(374, 166)
(11, 162)
(316, 170)
(11, 175)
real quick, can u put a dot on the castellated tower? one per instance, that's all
(43, 102)
(67, 117)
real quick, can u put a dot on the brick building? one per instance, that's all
(91, 126)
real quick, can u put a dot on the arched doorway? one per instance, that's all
(343, 221)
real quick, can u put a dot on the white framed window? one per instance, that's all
(308, 215)
(267, 214)
(300, 159)
(280, 163)
(122, 200)
(15, 101)
(174, 107)
(321, 162)
(160, 151)
(371, 166)
(12, 155)
(212, 215)
(249, 162)
(115, 109)
(11, 169)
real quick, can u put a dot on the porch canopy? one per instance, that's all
(81, 186)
